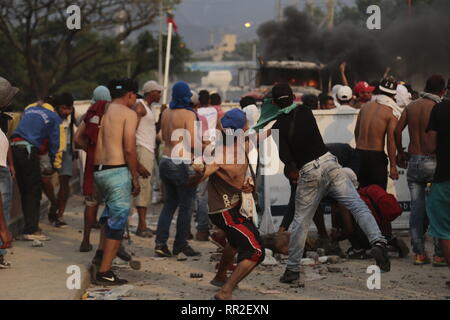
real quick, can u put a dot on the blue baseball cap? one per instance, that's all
(234, 119)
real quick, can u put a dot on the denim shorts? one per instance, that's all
(115, 187)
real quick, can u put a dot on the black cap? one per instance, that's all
(388, 86)
(281, 91)
(120, 87)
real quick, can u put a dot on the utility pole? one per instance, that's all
(160, 52)
(330, 6)
(278, 9)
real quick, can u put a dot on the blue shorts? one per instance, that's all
(115, 187)
(67, 164)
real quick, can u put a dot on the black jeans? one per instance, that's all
(28, 175)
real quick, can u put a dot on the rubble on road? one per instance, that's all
(108, 294)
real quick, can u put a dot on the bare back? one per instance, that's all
(373, 122)
(110, 145)
(417, 118)
(174, 119)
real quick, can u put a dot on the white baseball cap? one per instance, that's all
(150, 86)
(345, 93)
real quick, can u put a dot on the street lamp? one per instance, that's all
(248, 25)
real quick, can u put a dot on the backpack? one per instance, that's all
(92, 121)
(383, 205)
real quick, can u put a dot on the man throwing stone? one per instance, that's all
(301, 147)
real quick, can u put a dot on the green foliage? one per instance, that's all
(41, 56)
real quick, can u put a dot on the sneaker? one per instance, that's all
(60, 224)
(221, 242)
(3, 263)
(202, 236)
(380, 254)
(162, 251)
(290, 276)
(35, 236)
(109, 279)
(52, 213)
(188, 251)
(421, 259)
(439, 262)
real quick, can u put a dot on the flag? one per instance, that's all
(171, 19)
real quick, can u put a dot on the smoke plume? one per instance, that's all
(414, 47)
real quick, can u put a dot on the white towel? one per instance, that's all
(385, 100)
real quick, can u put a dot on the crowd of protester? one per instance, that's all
(128, 149)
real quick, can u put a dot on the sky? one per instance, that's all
(198, 19)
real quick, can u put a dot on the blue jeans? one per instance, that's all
(318, 179)
(6, 193)
(178, 195)
(202, 207)
(420, 172)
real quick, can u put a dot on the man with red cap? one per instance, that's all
(363, 93)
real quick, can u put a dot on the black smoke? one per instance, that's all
(414, 47)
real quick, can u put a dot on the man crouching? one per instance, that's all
(228, 180)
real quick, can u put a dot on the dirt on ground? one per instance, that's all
(169, 279)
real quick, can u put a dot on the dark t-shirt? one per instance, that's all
(346, 155)
(439, 122)
(304, 143)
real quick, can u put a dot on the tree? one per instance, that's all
(49, 55)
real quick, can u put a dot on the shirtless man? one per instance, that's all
(175, 171)
(421, 165)
(116, 174)
(227, 181)
(376, 120)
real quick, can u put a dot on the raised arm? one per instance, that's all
(342, 68)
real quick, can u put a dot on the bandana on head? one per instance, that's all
(181, 96)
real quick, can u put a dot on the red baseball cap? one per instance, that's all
(363, 86)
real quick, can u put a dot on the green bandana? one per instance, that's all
(270, 112)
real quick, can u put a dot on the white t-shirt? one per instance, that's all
(345, 107)
(146, 132)
(252, 113)
(4, 146)
(210, 113)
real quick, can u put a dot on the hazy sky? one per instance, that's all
(197, 19)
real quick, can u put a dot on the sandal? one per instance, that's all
(147, 233)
